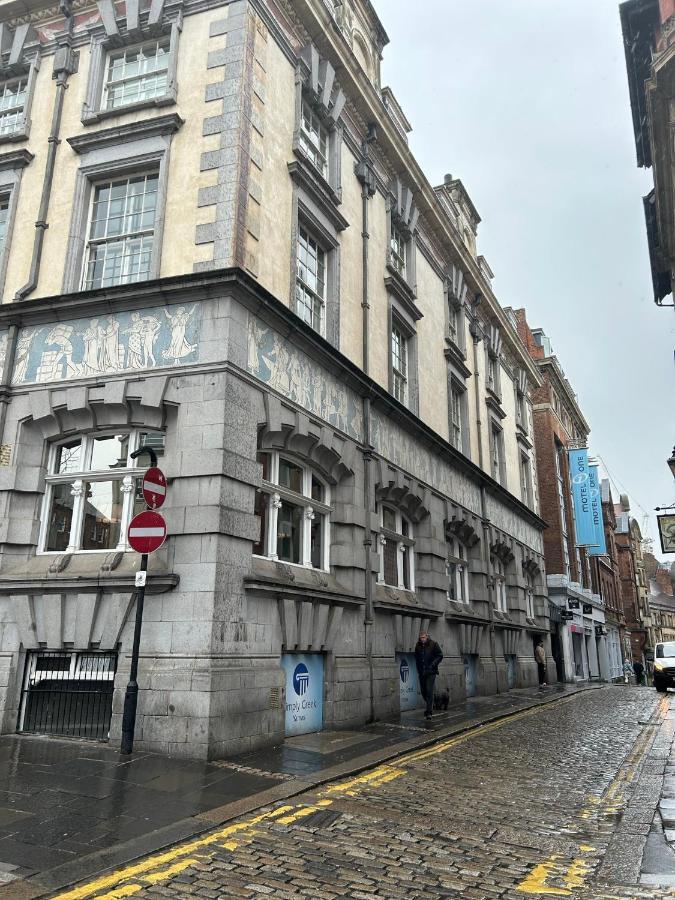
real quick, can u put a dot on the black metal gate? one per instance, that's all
(68, 694)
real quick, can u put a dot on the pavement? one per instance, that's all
(71, 809)
(557, 798)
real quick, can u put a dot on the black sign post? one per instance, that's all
(131, 695)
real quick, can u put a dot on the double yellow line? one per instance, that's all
(162, 866)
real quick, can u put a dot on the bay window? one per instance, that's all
(396, 549)
(293, 505)
(93, 490)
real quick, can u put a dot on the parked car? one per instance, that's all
(664, 665)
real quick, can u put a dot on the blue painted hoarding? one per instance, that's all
(599, 547)
(581, 497)
(304, 692)
(407, 681)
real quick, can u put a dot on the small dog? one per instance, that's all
(442, 701)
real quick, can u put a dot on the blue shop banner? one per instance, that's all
(581, 497)
(304, 692)
(599, 548)
(407, 681)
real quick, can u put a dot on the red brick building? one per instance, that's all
(634, 585)
(558, 424)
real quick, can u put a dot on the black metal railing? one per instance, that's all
(68, 694)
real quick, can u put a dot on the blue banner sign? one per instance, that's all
(304, 692)
(581, 497)
(599, 547)
(407, 681)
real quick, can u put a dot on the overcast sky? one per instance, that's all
(527, 103)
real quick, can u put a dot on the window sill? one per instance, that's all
(91, 117)
(318, 190)
(494, 403)
(16, 136)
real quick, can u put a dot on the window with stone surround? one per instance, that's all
(525, 479)
(293, 505)
(499, 579)
(13, 95)
(399, 364)
(93, 491)
(396, 549)
(562, 504)
(311, 280)
(314, 139)
(457, 571)
(497, 457)
(529, 596)
(136, 74)
(121, 231)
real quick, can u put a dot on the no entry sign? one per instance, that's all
(147, 532)
(154, 487)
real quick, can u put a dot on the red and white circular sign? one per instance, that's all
(154, 487)
(147, 532)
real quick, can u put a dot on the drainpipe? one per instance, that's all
(366, 176)
(65, 63)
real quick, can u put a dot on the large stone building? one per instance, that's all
(581, 644)
(649, 35)
(237, 260)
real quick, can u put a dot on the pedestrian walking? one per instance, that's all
(627, 671)
(639, 670)
(540, 656)
(428, 656)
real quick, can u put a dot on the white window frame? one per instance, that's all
(165, 42)
(313, 133)
(497, 461)
(526, 479)
(276, 494)
(301, 286)
(18, 111)
(499, 578)
(456, 399)
(562, 502)
(399, 364)
(397, 249)
(141, 234)
(405, 548)
(127, 475)
(457, 570)
(529, 599)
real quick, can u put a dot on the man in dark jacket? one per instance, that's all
(427, 656)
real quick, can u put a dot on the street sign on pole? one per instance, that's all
(147, 532)
(154, 488)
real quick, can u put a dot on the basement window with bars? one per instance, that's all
(93, 491)
(293, 505)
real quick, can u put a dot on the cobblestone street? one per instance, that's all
(553, 801)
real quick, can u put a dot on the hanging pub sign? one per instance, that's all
(667, 532)
(566, 615)
(600, 630)
(572, 604)
(588, 609)
(599, 548)
(581, 497)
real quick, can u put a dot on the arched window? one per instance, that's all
(93, 491)
(293, 505)
(457, 571)
(396, 548)
(499, 575)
